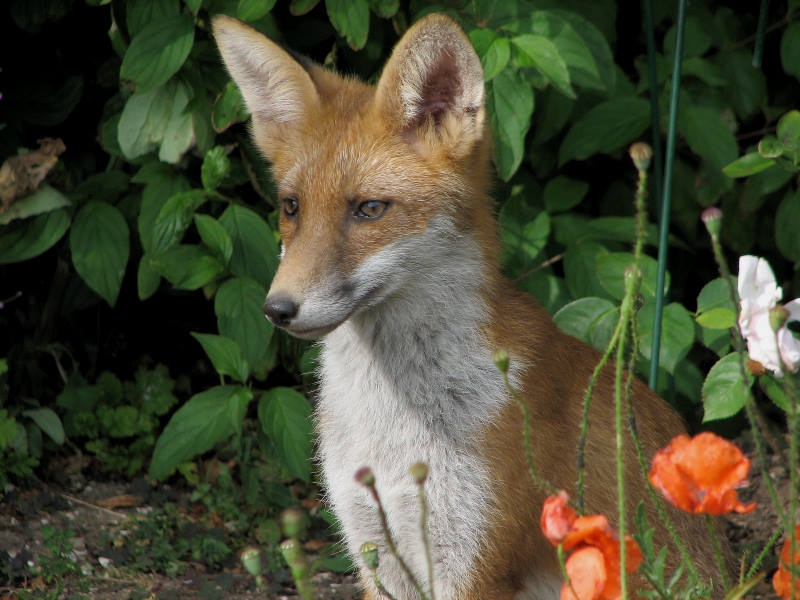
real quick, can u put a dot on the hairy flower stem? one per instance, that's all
(387, 534)
(426, 541)
(717, 551)
(763, 554)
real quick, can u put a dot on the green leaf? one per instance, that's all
(606, 128)
(141, 13)
(747, 165)
(789, 132)
(214, 237)
(717, 318)
(301, 7)
(179, 134)
(611, 274)
(510, 105)
(48, 422)
(593, 39)
(144, 120)
(158, 51)
(775, 392)
(252, 10)
(725, 391)
(770, 147)
(26, 239)
(188, 267)
(677, 334)
(351, 20)
(216, 166)
(228, 108)
(174, 219)
(255, 251)
(708, 135)
(787, 227)
(162, 183)
(240, 317)
(580, 270)
(225, 355)
(532, 237)
(43, 200)
(285, 416)
(790, 50)
(99, 242)
(385, 9)
(589, 319)
(539, 52)
(746, 90)
(562, 193)
(196, 427)
(494, 51)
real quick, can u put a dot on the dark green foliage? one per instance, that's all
(154, 239)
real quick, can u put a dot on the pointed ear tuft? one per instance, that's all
(276, 88)
(432, 73)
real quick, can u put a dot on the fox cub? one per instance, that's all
(391, 258)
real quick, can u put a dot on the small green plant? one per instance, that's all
(56, 566)
(118, 421)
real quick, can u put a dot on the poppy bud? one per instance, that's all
(641, 154)
(419, 472)
(369, 553)
(712, 218)
(365, 477)
(501, 360)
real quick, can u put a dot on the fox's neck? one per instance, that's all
(424, 346)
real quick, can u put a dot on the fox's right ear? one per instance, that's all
(277, 90)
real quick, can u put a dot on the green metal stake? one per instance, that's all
(663, 225)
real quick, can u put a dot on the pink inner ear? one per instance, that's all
(441, 91)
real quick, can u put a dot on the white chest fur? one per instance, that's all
(412, 380)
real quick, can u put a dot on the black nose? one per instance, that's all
(280, 309)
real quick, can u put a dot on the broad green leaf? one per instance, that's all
(351, 20)
(589, 319)
(749, 164)
(141, 13)
(594, 40)
(539, 52)
(725, 390)
(572, 48)
(385, 9)
(494, 51)
(285, 416)
(301, 7)
(562, 193)
(715, 294)
(144, 120)
(790, 50)
(252, 10)
(770, 147)
(535, 235)
(187, 267)
(174, 219)
(228, 108)
(43, 200)
(746, 90)
(789, 132)
(696, 40)
(28, 238)
(240, 316)
(510, 105)
(677, 334)
(787, 227)
(8, 428)
(99, 242)
(162, 182)
(611, 269)
(48, 422)
(179, 134)
(216, 166)
(775, 392)
(225, 355)
(717, 318)
(196, 427)
(214, 236)
(580, 270)
(606, 128)
(571, 228)
(705, 70)
(255, 251)
(158, 51)
(708, 135)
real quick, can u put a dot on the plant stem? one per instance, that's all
(423, 525)
(717, 551)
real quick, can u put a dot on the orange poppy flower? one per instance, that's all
(593, 567)
(782, 580)
(700, 474)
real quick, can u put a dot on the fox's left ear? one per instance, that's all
(432, 85)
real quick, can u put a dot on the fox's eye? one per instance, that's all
(371, 209)
(290, 206)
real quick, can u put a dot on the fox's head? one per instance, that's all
(375, 183)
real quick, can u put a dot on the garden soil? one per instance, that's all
(91, 509)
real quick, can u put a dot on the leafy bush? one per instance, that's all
(148, 234)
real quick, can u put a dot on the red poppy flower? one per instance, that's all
(700, 474)
(782, 580)
(594, 565)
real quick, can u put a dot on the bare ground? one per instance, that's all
(91, 509)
